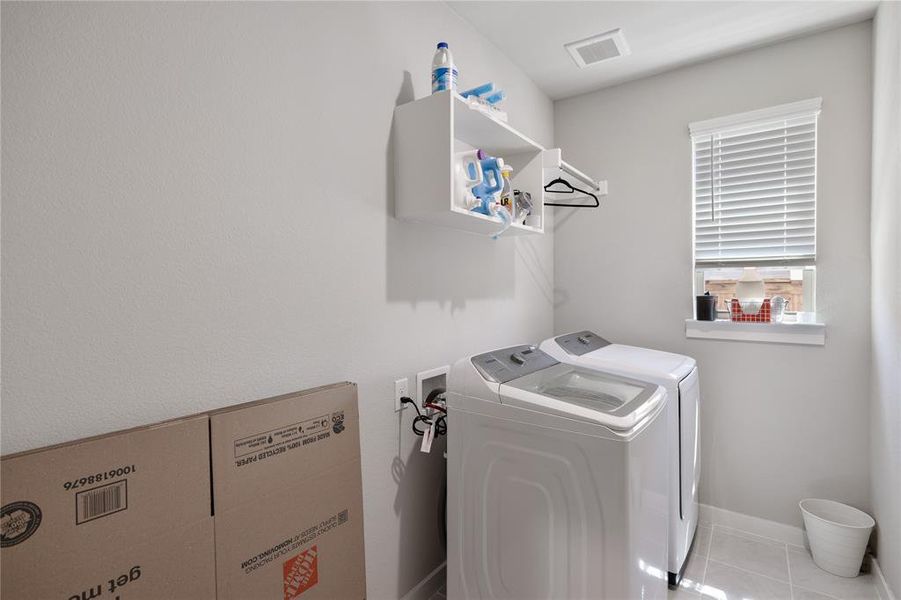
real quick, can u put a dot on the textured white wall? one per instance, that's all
(779, 422)
(885, 411)
(197, 211)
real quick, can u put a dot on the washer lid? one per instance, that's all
(616, 402)
(506, 364)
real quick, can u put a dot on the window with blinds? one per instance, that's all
(754, 182)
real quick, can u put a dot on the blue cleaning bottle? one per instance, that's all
(444, 73)
(492, 184)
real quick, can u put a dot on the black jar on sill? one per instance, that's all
(705, 307)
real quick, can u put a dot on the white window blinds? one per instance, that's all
(755, 187)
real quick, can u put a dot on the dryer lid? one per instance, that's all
(581, 342)
(618, 403)
(644, 363)
(589, 349)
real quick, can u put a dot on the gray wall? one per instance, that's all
(779, 422)
(885, 411)
(197, 211)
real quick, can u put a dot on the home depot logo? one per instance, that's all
(301, 573)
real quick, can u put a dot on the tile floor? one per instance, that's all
(441, 594)
(728, 564)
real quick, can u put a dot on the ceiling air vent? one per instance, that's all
(598, 48)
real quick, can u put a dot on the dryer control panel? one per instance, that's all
(581, 343)
(501, 366)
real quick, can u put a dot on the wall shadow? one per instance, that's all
(560, 296)
(420, 480)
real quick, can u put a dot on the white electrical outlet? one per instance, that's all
(401, 389)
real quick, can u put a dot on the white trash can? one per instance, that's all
(838, 535)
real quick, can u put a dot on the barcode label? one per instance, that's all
(101, 501)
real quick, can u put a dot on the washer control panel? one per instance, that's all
(581, 343)
(501, 366)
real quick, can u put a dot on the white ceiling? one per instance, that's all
(662, 35)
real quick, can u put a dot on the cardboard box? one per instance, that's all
(121, 516)
(288, 497)
(129, 515)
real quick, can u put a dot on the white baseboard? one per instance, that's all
(885, 592)
(430, 584)
(787, 534)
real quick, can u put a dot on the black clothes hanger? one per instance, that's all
(570, 190)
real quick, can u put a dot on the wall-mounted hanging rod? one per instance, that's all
(574, 172)
(555, 160)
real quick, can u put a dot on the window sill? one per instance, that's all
(807, 334)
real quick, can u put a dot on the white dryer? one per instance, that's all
(679, 376)
(557, 481)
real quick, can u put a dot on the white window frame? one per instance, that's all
(733, 330)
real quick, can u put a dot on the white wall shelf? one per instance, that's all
(427, 134)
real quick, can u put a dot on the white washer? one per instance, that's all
(557, 481)
(679, 376)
